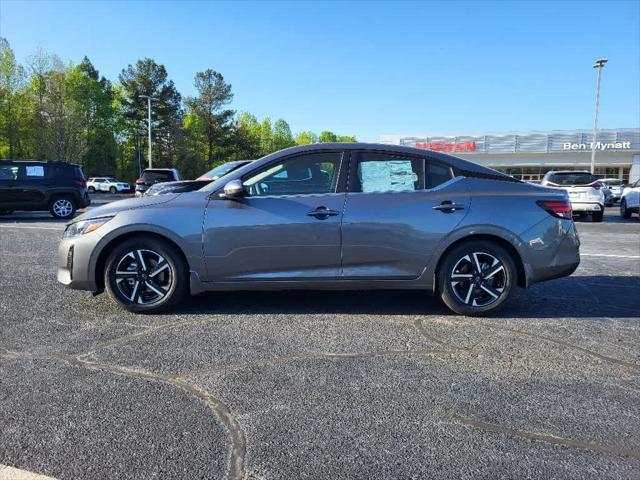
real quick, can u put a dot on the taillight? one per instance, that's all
(139, 181)
(81, 183)
(557, 208)
(595, 185)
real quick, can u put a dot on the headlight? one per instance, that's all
(84, 226)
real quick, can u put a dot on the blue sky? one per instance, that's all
(367, 68)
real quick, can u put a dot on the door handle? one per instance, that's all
(448, 206)
(322, 213)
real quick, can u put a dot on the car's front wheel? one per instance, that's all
(62, 207)
(476, 277)
(146, 275)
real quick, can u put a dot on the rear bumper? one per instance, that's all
(556, 254)
(587, 207)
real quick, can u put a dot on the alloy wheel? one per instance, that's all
(478, 279)
(144, 276)
(62, 207)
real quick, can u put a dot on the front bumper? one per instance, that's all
(75, 266)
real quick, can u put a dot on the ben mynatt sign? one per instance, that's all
(599, 146)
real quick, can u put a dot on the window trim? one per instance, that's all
(340, 171)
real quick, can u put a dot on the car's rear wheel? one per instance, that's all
(62, 207)
(476, 277)
(91, 189)
(113, 190)
(597, 216)
(624, 211)
(146, 275)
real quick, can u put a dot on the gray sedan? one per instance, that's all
(329, 216)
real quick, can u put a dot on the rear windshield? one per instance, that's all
(572, 178)
(150, 176)
(613, 183)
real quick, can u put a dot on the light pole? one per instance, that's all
(598, 65)
(149, 100)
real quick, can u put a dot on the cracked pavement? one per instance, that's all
(281, 385)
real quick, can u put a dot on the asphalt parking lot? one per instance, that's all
(322, 385)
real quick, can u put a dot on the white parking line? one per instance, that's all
(633, 257)
(36, 227)
(10, 473)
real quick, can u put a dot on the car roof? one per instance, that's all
(455, 162)
(159, 170)
(569, 171)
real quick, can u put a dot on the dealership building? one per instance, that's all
(529, 155)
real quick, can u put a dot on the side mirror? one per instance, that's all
(233, 190)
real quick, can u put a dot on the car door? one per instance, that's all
(633, 197)
(9, 194)
(31, 188)
(398, 208)
(286, 227)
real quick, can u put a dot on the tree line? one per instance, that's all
(50, 110)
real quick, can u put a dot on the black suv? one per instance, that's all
(151, 176)
(58, 187)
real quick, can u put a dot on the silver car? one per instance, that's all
(329, 216)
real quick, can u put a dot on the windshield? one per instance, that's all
(572, 178)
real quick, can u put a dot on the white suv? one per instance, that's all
(585, 192)
(630, 201)
(106, 184)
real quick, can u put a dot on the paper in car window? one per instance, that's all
(390, 176)
(35, 171)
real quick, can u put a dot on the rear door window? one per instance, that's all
(34, 172)
(572, 178)
(387, 172)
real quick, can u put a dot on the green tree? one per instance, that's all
(149, 78)
(282, 137)
(13, 104)
(327, 137)
(214, 122)
(346, 138)
(306, 138)
(266, 137)
(95, 100)
(246, 137)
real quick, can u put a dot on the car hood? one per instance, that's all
(129, 204)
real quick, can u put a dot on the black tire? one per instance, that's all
(624, 211)
(501, 282)
(597, 216)
(63, 207)
(172, 281)
(113, 190)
